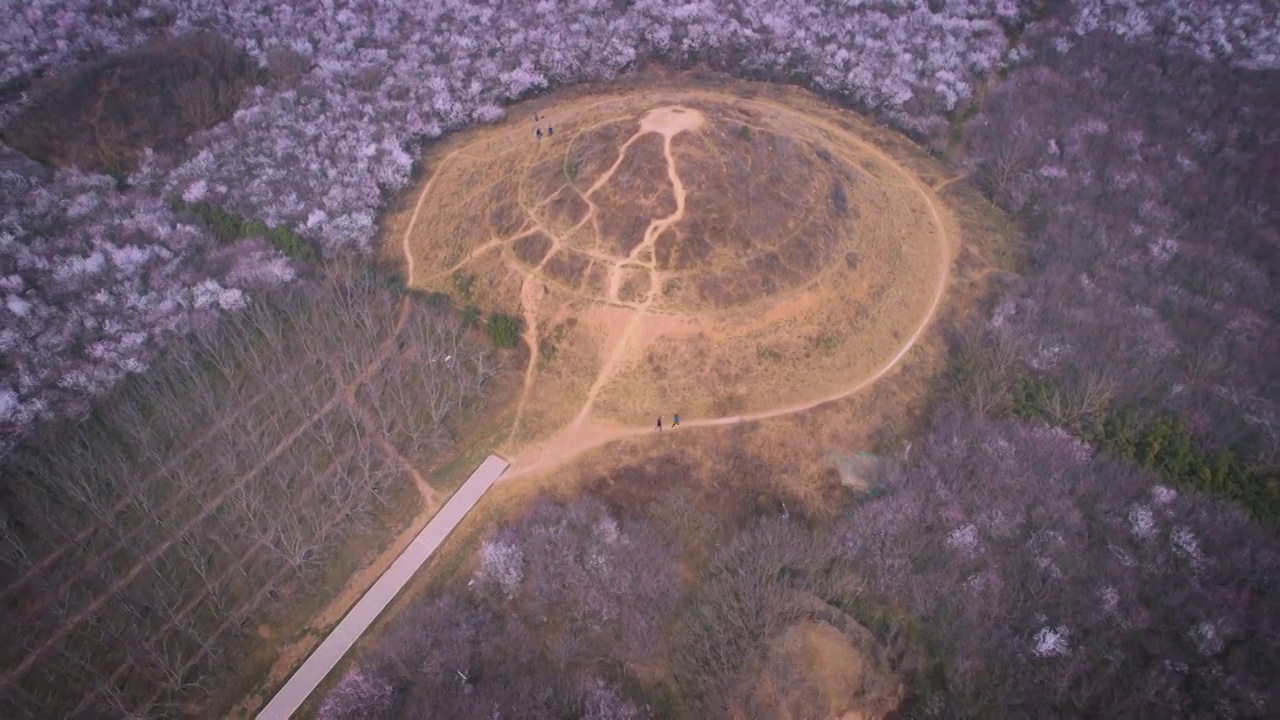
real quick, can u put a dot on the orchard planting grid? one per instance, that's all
(216, 490)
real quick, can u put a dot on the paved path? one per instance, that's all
(323, 658)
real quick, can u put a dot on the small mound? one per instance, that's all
(101, 115)
(813, 670)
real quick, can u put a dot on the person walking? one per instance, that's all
(675, 420)
(659, 423)
(550, 130)
(538, 131)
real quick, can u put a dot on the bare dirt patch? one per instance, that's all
(729, 256)
(631, 199)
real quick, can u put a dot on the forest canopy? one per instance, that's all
(1085, 524)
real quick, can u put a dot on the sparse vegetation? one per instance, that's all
(549, 343)
(463, 282)
(839, 200)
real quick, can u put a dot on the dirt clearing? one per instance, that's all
(690, 251)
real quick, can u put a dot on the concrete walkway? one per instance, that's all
(323, 658)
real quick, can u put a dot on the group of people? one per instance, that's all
(675, 421)
(538, 130)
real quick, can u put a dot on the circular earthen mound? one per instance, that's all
(814, 670)
(688, 249)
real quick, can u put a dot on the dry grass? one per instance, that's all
(815, 670)
(807, 256)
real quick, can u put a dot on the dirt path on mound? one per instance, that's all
(586, 432)
(576, 439)
(530, 295)
(668, 122)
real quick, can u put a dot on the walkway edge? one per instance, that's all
(353, 625)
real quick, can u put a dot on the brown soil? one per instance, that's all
(814, 670)
(730, 258)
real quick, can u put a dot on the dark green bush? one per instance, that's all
(470, 316)
(288, 243)
(503, 329)
(229, 227)
(1161, 443)
(438, 300)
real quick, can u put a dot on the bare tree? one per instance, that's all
(226, 469)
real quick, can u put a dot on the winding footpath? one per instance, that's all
(579, 437)
(354, 624)
(667, 122)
